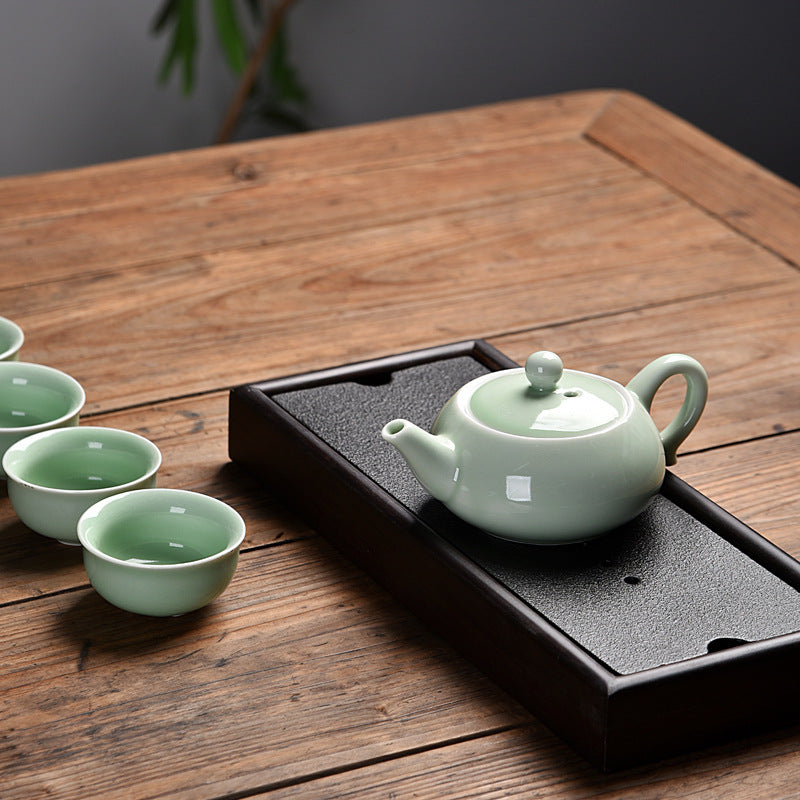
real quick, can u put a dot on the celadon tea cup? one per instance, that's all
(160, 552)
(11, 339)
(35, 398)
(55, 475)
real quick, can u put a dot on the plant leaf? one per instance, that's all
(183, 44)
(169, 60)
(230, 34)
(186, 33)
(168, 10)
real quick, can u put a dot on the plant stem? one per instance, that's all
(251, 71)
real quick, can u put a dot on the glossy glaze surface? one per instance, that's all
(55, 475)
(550, 456)
(35, 398)
(11, 339)
(160, 552)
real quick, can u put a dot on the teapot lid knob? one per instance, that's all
(543, 370)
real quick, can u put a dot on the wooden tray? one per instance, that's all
(678, 630)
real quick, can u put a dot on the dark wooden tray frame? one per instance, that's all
(613, 720)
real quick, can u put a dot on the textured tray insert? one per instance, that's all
(662, 589)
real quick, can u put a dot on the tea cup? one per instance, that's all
(35, 398)
(11, 339)
(160, 552)
(54, 476)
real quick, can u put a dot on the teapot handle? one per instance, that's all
(649, 380)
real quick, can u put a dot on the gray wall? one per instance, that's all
(77, 78)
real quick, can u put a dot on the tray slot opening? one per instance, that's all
(724, 643)
(382, 378)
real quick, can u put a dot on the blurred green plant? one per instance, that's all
(268, 88)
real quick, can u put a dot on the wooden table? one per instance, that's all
(593, 224)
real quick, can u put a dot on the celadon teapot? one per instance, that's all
(551, 456)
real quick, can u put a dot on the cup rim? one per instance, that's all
(18, 337)
(75, 431)
(33, 368)
(237, 527)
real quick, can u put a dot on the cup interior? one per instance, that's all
(160, 527)
(162, 538)
(32, 394)
(11, 338)
(82, 459)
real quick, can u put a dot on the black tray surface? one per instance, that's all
(661, 589)
(678, 630)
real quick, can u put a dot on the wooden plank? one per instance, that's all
(243, 166)
(749, 343)
(524, 763)
(53, 745)
(171, 226)
(751, 200)
(303, 665)
(297, 254)
(192, 436)
(755, 481)
(182, 327)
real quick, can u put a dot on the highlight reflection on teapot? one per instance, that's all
(551, 456)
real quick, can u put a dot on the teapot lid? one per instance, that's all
(545, 401)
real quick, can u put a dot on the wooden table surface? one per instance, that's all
(593, 224)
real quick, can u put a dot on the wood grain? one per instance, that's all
(748, 341)
(751, 200)
(523, 763)
(755, 481)
(303, 663)
(192, 436)
(206, 172)
(187, 225)
(583, 250)
(594, 224)
(286, 609)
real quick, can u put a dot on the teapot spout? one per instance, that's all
(432, 458)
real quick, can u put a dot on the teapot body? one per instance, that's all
(545, 455)
(550, 490)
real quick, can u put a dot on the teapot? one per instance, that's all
(547, 455)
